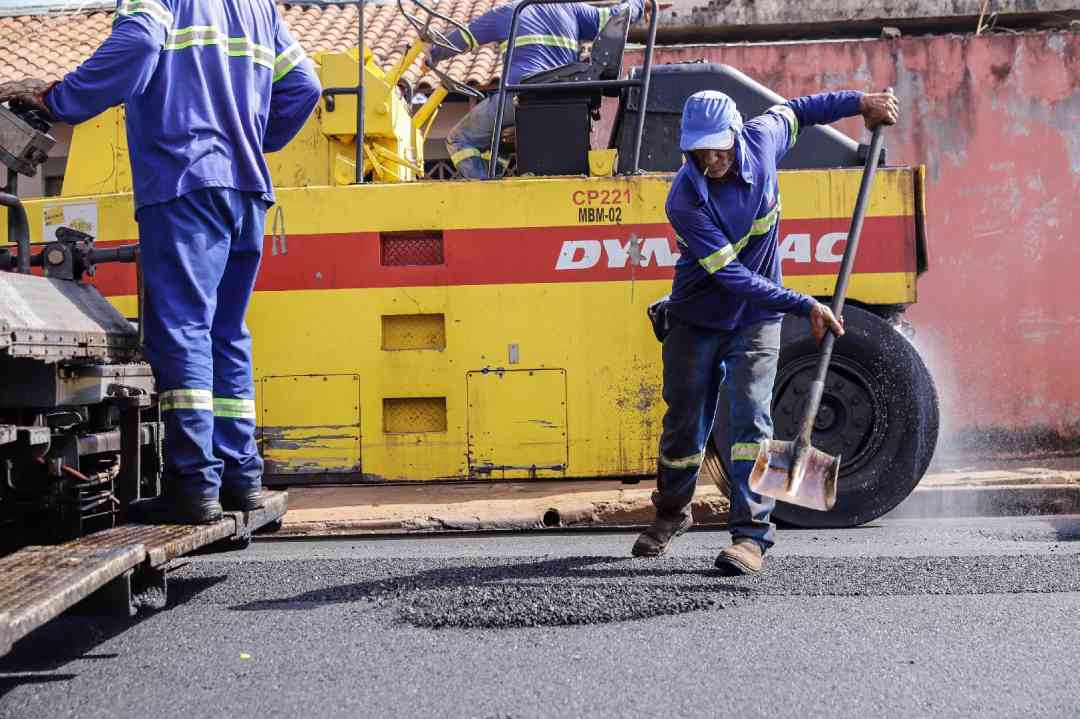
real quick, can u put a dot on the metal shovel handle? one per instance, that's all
(817, 388)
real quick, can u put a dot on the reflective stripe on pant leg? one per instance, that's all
(234, 386)
(752, 371)
(471, 137)
(184, 244)
(692, 375)
(744, 451)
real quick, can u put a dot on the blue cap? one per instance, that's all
(710, 121)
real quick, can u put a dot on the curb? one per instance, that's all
(999, 501)
(710, 509)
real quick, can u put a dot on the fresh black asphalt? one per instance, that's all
(912, 618)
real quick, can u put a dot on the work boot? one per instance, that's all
(744, 556)
(175, 510)
(654, 541)
(247, 500)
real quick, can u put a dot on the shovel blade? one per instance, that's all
(771, 475)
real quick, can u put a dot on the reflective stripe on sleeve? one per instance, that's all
(287, 60)
(744, 451)
(605, 15)
(792, 122)
(550, 40)
(154, 9)
(694, 460)
(198, 399)
(234, 408)
(470, 39)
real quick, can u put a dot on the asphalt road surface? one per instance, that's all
(905, 618)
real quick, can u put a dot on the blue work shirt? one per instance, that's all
(728, 275)
(208, 86)
(548, 36)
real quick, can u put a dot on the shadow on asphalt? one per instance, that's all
(521, 576)
(73, 636)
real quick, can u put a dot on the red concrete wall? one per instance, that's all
(996, 120)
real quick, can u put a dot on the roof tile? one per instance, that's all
(49, 46)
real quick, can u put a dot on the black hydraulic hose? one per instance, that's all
(18, 229)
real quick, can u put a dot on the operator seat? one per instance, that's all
(605, 58)
(553, 128)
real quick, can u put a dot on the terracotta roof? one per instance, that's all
(48, 46)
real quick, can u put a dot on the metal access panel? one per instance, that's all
(517, 423)
(53, 320)
(310, 425)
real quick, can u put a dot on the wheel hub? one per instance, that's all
(851, 418)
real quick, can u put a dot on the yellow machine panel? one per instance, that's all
(322, 436)
(517, 423)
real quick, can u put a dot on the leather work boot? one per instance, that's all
(175, 510)
(654, 541)
(246, 501)
(744, 556)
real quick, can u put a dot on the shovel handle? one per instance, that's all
(817, 388)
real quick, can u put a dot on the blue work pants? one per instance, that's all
(469, 142)
(697, 361)
(200, 255)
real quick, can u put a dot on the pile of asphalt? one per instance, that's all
(514, 605)
(524, 592)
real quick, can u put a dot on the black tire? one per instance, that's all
(879, 413)
(883, 460)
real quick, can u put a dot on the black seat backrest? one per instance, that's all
(607, 51)
(605, 58)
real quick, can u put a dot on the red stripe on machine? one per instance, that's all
(550, 254)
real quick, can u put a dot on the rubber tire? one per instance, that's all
(888, 476)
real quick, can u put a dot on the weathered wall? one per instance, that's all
(996, 120)
(727, 14)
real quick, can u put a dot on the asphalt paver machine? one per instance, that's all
(80, 436)
(409, 329)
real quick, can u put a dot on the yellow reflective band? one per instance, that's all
(462, 155)
(718, 260)
(503, 162)
(744, 451)
(680, 241)
(203, 35)
(792, 122)
(728, 253)
(693, 460)
(234, 408)
(550, 40)
(146, 7)
(287, 60)
(605, 15)
(470, 39)
(200, 399)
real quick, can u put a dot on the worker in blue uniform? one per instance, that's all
(208, 87)
(722, 319)
(548, 36)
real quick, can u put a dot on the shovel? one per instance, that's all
(795, 472)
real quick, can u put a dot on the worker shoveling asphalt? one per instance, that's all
(721, 324)
(794, 471)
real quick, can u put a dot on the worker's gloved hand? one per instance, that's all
(879, 108)
(28, 92)
(822, 320)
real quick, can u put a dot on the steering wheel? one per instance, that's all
(429, 34)
(454, 86)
